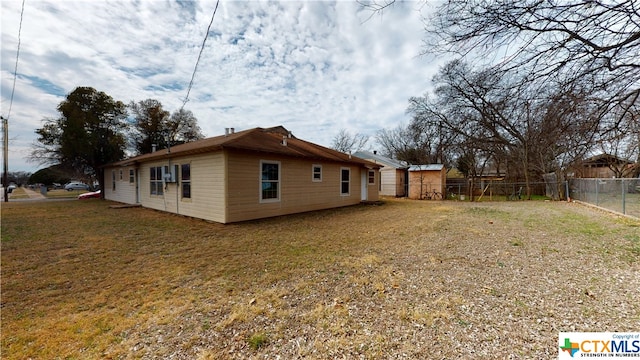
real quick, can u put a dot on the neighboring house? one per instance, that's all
(424, 179)
(243, 175)
(393, 174)
(605, 166)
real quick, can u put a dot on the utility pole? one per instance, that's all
(5, 150)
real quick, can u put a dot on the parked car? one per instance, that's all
(90, 195)
(76, 186)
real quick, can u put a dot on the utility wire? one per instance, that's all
(206, 36)
(15, 71)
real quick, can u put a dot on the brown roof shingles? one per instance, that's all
(276, 140)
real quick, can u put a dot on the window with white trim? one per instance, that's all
(316, 173)
(372, 177)
(269, 181)
(345, 179)
(185, 177)
(120, 174)
(155, 181)
(113, 180)
(132, 177)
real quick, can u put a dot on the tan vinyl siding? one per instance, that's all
(207, 188)
(146, 199)
(226, 186)
(125, 192)
(298, 193)
(372, 189)
(388, 182)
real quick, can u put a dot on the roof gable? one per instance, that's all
(605, 159)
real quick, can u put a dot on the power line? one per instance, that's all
(15, 71)
(206, 36)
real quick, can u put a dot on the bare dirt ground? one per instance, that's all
(403, 280)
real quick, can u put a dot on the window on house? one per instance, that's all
(185, 177)
(270, 181)
(345, 176)
(113, 180)
(316, 173)
(120, 174)
(372, 177)
(156, 180)
(132, 177)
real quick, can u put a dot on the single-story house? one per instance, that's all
(393, 173)
(425, 179)
(605, 166)
(244, 175)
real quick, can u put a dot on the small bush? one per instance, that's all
(258, 340)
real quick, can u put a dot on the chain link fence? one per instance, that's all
(619, 195)
(497, 190)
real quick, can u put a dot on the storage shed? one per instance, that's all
(425, 179)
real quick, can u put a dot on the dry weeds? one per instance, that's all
(408, 279)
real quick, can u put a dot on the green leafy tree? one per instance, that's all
(155, 126)
(48, 176)
(88, 134)
(150, 126)
(183, 127)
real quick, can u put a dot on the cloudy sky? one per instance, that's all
(315, 67)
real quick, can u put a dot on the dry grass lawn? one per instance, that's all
(407, 279)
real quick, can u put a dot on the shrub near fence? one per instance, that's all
(619, 195)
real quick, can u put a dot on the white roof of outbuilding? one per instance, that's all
(426, 167)
(379, 159)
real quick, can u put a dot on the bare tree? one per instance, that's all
(622, 142)
(573, 68)
(553, 36)
(489, 113)
(561, 40)
(406, 144)
(347, 143)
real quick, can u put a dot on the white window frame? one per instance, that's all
(278, 182)
(313, 173)
(185, 182)
(132, 176)
(157, 181)
(348, 193)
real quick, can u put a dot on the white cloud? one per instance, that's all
(315, 67)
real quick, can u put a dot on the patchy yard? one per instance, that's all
(407, 279)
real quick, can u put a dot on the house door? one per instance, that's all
(363, 185)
